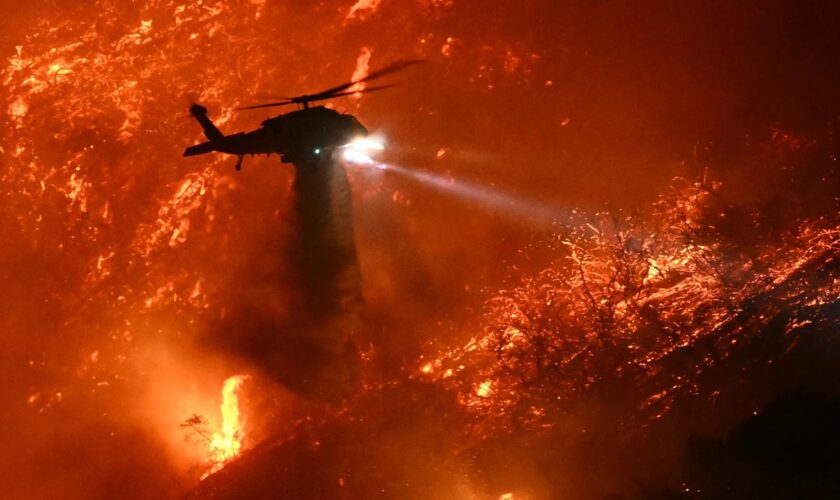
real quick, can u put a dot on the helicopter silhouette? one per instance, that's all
(302, 137)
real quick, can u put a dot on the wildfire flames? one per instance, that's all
(509, 346)
(226, 445)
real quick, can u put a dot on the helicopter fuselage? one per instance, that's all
(300, 137)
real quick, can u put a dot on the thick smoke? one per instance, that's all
(302, 333)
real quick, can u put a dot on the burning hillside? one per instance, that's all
(173, 327)
(635, 328)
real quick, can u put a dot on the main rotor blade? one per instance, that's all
(297, 101)
(269, 105)
(351, 92)
(387, 70)
(337, 91)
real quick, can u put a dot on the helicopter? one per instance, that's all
(302, 137)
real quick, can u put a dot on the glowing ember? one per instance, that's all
(484, 389)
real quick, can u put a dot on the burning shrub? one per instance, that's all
(645, 305)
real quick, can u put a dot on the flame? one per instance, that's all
(361, 71)
(362, 8)
(227, 444)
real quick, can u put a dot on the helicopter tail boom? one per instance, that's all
(200, 113)
(200, 149)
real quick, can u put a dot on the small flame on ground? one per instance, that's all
(226, 445)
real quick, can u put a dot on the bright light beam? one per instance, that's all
(358, 152)
(513, 206)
